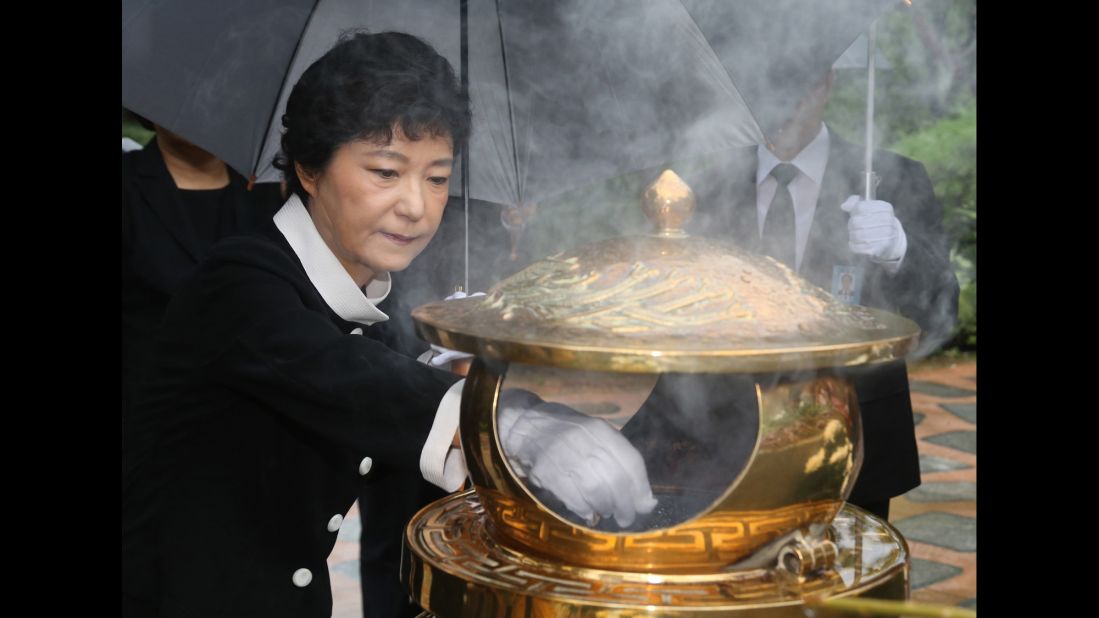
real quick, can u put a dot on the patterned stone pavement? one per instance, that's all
(938, 518)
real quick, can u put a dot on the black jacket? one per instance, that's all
(160, 248)
(249, 435)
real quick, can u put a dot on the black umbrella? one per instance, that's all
(561, 97)
(564, 93)
(776, 50)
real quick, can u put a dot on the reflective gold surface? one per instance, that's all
(803, 558)
(668, 202)
(804, 462)
(454, 568)
(665, 302)
(656, 304)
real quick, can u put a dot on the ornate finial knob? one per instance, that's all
(669, 202)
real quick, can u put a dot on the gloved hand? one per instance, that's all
(461, 294)
(874, 231)
(583, 461)
(441, 357)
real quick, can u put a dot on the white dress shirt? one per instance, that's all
(804, 188)
(805, 191)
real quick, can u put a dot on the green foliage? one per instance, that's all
(948, 149)
(925, 108)
(136, 132)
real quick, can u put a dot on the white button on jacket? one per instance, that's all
(302, 577)
(335, 523)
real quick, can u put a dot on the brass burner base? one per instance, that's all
(454, 568)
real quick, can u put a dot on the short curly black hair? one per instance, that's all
(361, 89)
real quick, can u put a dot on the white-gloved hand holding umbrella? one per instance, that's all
(874, 231)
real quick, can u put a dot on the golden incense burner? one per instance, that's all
(750, 433)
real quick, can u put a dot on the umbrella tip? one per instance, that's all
(668, 202)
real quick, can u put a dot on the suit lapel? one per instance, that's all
(827, 243)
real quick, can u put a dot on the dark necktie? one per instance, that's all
(778, 227)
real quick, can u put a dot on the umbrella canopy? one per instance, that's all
(776, 50)
(560, 98)
(563, 93)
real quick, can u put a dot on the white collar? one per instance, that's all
(324, 270)
(810, 161)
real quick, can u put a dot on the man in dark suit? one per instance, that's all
(177, 201)
(892, 248)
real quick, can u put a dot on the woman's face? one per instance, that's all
(378, 205)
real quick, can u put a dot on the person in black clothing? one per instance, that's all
(265, 410)
(177, 201)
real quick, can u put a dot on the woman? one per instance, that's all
(177, 201)
(265, 410)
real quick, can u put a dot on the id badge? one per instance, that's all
(847, 283)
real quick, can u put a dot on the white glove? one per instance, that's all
(873, 231)
(582, 460)
(461, 294)
(438, 356)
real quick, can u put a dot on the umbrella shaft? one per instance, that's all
(870, 182)
(871, 46)
(464, 60)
